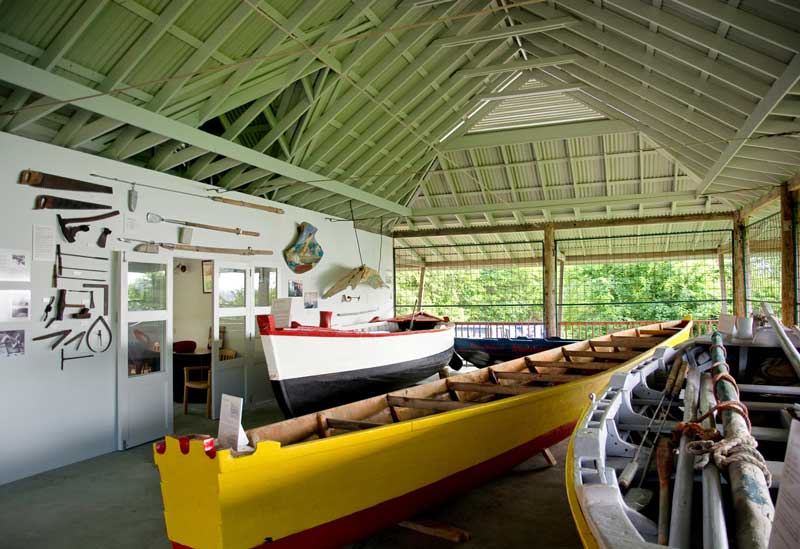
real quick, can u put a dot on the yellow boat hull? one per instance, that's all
(329, 491)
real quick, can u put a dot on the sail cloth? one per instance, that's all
(359, 275)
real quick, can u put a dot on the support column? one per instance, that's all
(738, 265)
(723, 292)
(788, 258)
(560, 308)
(550, 320)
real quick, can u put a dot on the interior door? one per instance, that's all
(232, 345)
(265, 291)
(144, 348)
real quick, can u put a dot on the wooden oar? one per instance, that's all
(155, 218)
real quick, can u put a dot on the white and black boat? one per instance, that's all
(312, 368)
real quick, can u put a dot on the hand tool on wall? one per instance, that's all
(99, 320)
(48, 308)
(67, 358)
(60, 335)
(101, 241)
(155, 218)
(59, 252)
(104, 287)
(50, 181)
(49, 202)
(57, 277)
(60, 264)
(83, 314)
(77, 337)
(246, 204)
(70, 232)
(61, 305)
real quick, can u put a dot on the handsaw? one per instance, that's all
(49, 181)
(48, 202)
(155, 218)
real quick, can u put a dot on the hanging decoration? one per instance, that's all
(305, 252)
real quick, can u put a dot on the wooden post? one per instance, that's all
(550, 321)
(788, 258)
(739, 258)
(560, 309)
(723, 292)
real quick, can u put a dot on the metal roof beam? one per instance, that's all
(773, 97)
(502, 96)
(513, 66)
(563, 203)
(26, 76)
(535, 134)
(504, 32)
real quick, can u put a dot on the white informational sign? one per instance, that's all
(282, 312)
(44, 243)
(15, 305)
(786, 525)
(231, 434)
(14, 266)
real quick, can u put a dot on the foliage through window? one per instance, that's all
(147, 289)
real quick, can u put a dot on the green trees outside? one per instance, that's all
(653, 290)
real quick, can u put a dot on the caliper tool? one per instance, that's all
(71, 232)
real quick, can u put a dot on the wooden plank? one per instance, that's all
(579, 365)
(351, 424)
(426, 403)
(549, 457)
(527, 377)
(628, 342)
(437, 529)
(491, 388)
(621, 356)
(665, 333)
(788, 258)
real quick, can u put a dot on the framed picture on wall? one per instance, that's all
(208, 276)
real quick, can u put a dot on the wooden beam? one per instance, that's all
(576, 365)
(519, 65)
(550, 317)
(739, 305)
(491, 388)
(351, 424)
(723, 290)
(603, 355)
(563, 225)
(764, 200)
(426, 403)
(527, 377)
(788, 258)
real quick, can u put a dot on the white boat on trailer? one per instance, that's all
(312, 368)
(647, 442)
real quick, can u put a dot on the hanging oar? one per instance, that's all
(155, 218)
(151, 247)
(244, 204)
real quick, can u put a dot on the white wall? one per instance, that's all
(192, 309)
(51, 417)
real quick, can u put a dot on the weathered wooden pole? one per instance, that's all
(559, 308)
(752, 504)
(738, 264)
(550, 321)
(788, 258)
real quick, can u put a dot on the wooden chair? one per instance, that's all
(197, 384)
(227, 354)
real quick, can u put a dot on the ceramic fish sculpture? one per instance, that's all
(359, 275)
(305, 251)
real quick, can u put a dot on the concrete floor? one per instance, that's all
(114, 501)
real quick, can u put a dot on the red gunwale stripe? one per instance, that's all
(374, 519)
(327, 332)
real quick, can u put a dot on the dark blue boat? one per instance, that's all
(486, 351)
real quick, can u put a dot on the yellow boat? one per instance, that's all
(328, 478)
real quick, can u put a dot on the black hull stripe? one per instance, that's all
(304, 395)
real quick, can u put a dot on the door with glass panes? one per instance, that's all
(265, 291)
(144, 348)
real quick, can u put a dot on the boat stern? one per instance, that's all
(189, 467)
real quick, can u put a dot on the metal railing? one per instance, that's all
(567, 330)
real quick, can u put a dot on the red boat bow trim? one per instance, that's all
(368, 521)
